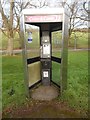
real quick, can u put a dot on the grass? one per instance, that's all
(76, 94)
(77, 88)
(12, 76)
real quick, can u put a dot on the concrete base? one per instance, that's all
(45, 93)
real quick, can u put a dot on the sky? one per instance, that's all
(52, 2)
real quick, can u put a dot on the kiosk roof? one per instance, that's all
(53, 16)
(44, 11)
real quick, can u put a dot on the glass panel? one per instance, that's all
(56, 52)
(34, 73)
(56, 73)
(33, 50)
(32, 41)
(56, 43)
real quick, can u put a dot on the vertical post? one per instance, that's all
(89, 24)
(88, 12)
(64, 53)
(22, 33)
(89, 58)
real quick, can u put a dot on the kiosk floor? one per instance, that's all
(45, 93)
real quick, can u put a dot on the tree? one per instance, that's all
(78, 17)
(8, 24)
(9, 20)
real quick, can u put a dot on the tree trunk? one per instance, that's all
(10, 30)
(69, 42)
(10, 47)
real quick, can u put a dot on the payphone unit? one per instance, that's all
(45, 56)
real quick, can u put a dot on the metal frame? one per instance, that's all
(64, 53)
(22, 33)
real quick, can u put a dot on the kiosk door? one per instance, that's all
(33, 55)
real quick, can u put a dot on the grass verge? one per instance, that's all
(76, 94)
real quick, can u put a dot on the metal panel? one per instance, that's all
(34, 73)
(46, 76)
(46, 63)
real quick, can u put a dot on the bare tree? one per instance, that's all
(11, 21)
(8, 20)
(39, 3)
(78, 17)
(8, 25)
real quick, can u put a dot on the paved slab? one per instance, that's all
(45, 93)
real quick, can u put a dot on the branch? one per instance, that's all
(83, 18)
(5, 19)
(3, 31)
(17, 19)
(28, 3)
(88, 11)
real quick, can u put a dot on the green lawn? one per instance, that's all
(12, 76)
(76, 94)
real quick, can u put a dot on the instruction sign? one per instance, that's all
(45, 74)
(46, 49)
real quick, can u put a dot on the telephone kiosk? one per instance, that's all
(48, 20)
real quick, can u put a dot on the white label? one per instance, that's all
(45, 74)
(46, 49)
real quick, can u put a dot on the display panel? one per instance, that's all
(56, 43)
(32, 41)
(56, 56)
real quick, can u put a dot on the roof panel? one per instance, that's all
(43, 11)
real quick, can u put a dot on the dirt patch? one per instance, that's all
(43, 109)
